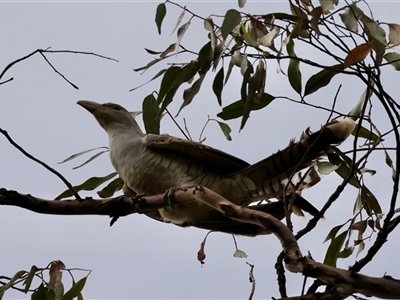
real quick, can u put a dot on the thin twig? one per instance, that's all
(63, 179)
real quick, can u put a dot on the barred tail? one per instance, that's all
(292, 169)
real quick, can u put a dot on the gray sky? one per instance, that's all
(138, 257)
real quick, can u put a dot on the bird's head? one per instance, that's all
(111, 116)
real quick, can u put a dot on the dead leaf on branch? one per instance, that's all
(358, 54)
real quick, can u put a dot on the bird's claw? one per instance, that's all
(168, 195)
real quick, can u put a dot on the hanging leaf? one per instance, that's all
(294, 73)
(90, 159)
(75, 290)
(394, 59)
(374, 31)
(160, 14)
(360, 226)
(346, 252)
(357, 110)
(268, 39)
(88, 185)
(371, 200)
(394, 34)
(209, 25)
(334, 248)
(189, 93)
(226, 130)
(152, 52)
(205, 58)
(167, 81)
(218, 85)
(321, 79)
(180, 33)
(366, 134)
(28, 281)
(171, 48)
(180, 18)
(151, 115)
(350, 17)
(231, 20)
(144, 68)
(154, 77)
(332, 233)
(241, 3)
(389, 162)
(73, 156)
(357, 54)
(328, 5)
(110, 189)
(235, 110)
(344, 169)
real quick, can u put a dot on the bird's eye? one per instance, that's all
(116, 107)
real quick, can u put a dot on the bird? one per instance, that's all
(151, 164)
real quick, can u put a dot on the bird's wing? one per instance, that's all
(218, 161)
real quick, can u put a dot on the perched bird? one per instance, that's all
(152, 164)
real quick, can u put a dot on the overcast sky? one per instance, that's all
(139, 257)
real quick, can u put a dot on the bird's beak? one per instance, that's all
(91, 106)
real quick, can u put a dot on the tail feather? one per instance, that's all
(293, 168)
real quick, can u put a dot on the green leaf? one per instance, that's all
(218, 85)
(29, 278)
(394, 59)
(346, 252)
(358, 205)
(294, 73)
(179, 20)
(360, 226)
(231, 20)
(344, 169)
(226, 130)
(235, 110)
(371, 200)
(90, 159)
(181, 33)
(331, 235)
(43, 293)
(189, 93)
(228, 73)
(151, 115)
(334, 248)
(280, 16)
(350, 17)
(111, 188)
(11, 282)
(366, 134)
(88, 185)
(155, 77)
(249, 98)
(389, 162)
(160, 14)
(374, 31)
(205, 58)
(167, 81)
(73, 156)
(357, 110)
(153, 62)
(241, 3)
(75, 290)
(321, 79)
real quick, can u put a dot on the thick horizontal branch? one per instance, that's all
(344, 282)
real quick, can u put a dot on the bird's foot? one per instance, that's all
(169, 195)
